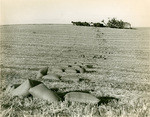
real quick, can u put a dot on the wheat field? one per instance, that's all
(120, 76)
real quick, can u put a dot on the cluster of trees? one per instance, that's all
(112, 23)
(87, 24)
(80, 23)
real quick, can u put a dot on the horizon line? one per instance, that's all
(58, 24)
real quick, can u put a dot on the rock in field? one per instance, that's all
(42, 92)
(39, 75)
(23, 89)
(81, 97)
(58, 70)
(71, 70)
(74, 78)
(80, 69)
(42, 72)
(52, 77)
(89, 66)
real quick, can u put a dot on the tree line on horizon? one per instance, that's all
(112, 23)
(79, 23)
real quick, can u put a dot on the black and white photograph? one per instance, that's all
(74, 58)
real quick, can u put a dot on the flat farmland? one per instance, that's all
(120, 60)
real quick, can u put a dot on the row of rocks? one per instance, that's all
(38, 90)
(68, 69)
(43, 74)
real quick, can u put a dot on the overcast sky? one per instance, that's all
(137, 12)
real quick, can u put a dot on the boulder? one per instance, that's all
(70, 70)
(89, 66)
(42, 92)
(39, 75)
(69, 65)
(42, 72)
(58, 70)
(80, 69)
(74, 78)
(81, 97)
(23, 89)
(52, 77)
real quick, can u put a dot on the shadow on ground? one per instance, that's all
(90, 71)
(106, 100)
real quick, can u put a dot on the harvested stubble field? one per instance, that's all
(119, 76)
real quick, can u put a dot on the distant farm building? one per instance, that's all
(91, 24)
